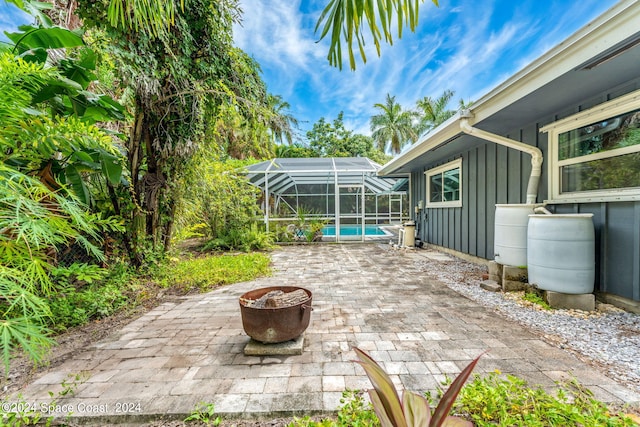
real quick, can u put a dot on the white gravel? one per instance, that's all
(609, 336)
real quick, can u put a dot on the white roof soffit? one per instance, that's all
(614, 26)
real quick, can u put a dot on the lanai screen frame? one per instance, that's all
(283, 177)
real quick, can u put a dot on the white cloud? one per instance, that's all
(461, 46)
(273, 32)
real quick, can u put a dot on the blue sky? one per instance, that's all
(467, 46)
(10, 18)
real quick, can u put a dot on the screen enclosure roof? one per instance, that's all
(289, 175)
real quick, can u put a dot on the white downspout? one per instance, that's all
(536, 154)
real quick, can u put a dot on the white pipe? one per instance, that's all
(542, 210)
(536, 154)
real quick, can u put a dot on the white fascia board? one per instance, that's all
(443, 133)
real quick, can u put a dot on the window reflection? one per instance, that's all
(610, 134)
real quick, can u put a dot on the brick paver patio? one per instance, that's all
(365, 295)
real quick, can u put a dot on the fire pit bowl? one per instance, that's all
(269, 324)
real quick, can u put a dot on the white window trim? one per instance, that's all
(456, 164)
(602, 111)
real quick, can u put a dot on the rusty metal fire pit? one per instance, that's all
(275, 324)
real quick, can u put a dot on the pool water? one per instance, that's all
(354, 230)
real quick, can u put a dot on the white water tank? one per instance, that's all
(561, 253)
(510, 240)
(409, 239)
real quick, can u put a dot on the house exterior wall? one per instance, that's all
(470, 228)
(493, 174)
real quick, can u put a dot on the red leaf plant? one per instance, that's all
(413, 410)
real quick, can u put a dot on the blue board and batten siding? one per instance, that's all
(493, 174)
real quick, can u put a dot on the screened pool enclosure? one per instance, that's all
(344, 193)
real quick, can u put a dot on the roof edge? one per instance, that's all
(583, 45)
(618, 23)
(447, 130)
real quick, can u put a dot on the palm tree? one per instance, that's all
(393, 126)
(281, 123)
(434, 111)
(463, 105)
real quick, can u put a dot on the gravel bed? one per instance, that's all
(609, 337)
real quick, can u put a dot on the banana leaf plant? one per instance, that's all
(413, 410)
(54, 137)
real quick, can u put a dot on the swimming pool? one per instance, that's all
(354, 230)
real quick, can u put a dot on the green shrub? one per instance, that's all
(217, 194)
(495, 400)
(244, 239)
(536, 299)
(205, 414)
(355, 411)
(78, 273)
(77, 307)
(97, 296)
(489, 401)
(283, 234)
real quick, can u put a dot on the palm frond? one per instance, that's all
(346, 21)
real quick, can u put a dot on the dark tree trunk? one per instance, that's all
(135, 157)
(168, 229)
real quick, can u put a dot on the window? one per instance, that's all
(444, 185)
(595, 155)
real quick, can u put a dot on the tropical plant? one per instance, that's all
(53, 107)
(340, 18)
(33, 222)
(347, 19)
(313, 231)
(190, 87)
(434, 112)
(294, 150)
(497, 399)
(281, 123)
(147, 17)
(333, 139)
(413, 410)
(49, 153)
(54, 47)
(218, 194)
(393, 127)
(151, 18)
